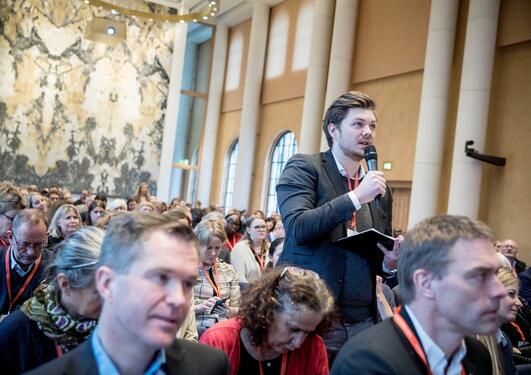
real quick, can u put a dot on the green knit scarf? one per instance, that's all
(53, 320)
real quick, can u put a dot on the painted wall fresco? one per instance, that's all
(77, 113)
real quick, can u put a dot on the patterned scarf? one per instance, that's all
(53, 320)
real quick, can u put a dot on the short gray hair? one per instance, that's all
(29, 216)
(126, 234)
(206, 230)
(77, 257)
(61, 212)
(428, 244)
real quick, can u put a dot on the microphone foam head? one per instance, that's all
(370, 153)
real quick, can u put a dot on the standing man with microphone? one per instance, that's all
(327, 196)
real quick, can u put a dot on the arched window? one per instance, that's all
(276, 49)
(230, 174)
(234, 61)
(285, 147)
(303, 36)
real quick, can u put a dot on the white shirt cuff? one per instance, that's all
(387, 270)
(354, 200)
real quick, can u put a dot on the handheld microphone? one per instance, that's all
(371, 158)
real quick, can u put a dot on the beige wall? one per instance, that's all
(397, 110)
(506, 191)
(390, 39)
(232, 100)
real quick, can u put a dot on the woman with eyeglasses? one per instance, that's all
(65, 221)
(63, 310)
(276, 328)
(250, 256)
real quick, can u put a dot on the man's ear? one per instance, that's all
(332, 129)
(64, 284)
(423, 281)
(9, 235)
(104, 280)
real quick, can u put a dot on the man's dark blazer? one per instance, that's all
(384, 349)
(316, 211)
(182, 358)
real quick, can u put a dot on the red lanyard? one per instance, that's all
(259, 259)
(214, 284)
(3, 242)
(283, 367)
(25, 285)
(230, 244)
(417, 347)
(350, 188)
(515, 325)
(59, 351)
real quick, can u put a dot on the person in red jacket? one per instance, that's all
(276, 328)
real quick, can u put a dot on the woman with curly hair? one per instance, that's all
(276, 326)
(63, 310)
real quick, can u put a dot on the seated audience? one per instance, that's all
(25, 258)
(142, 193)
(145, 206)
(146, 274)
(36, 200)
(509, 248)
(118, 205)
(498, 345)
(450, 290)
(251, 254)
(275, 331)
(232, 229)
(65, 221)
(131, 204)
(63, 310)
(275, 249)
(11, 203)
(95, 209)
(278, 231)
(217, 295)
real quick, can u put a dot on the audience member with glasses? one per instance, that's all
(276, 328)
(23, 260)
(63, 310)
(10, 203)
(250, 256)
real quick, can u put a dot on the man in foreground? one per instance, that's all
(449, 288)
(148, 270)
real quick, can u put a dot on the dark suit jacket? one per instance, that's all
(183, 358)
(383, 349)
(316, 211)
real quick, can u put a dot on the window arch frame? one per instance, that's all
(230, 161)
(269, 179)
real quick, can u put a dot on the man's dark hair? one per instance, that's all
(339, 108)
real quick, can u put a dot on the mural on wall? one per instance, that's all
(77, 113)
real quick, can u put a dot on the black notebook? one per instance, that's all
(365, 242)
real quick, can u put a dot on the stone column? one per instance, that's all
(215, 94)
(433, 110)
(251, 105)
(473, 109)
(314, 93)
(172, 109)
(341, 52)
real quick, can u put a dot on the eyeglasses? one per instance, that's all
(23, 245)
(297, 272)
(259, 227)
